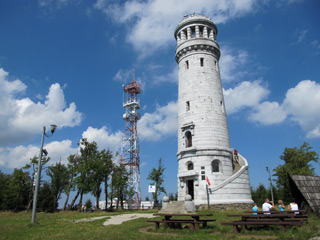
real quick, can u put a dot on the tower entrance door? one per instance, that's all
(190, 188)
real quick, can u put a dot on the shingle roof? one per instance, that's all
(309, 187)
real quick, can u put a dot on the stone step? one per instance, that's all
(237, 167)
(175, 207)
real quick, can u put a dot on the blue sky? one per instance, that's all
(64, 62)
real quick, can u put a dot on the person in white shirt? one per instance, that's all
(266, 207)
(293, 206)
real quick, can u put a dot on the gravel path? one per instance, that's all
(119, 219)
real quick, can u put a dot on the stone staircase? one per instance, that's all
(237, 167)
(175, 207)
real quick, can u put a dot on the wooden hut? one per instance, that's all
(306, 191)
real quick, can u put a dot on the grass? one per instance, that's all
(62, 225)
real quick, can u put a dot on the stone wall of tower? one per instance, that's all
(203, 135)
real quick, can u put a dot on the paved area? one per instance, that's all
(119, 219)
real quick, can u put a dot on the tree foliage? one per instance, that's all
(58, 174)
(157, 177)
(297, 161)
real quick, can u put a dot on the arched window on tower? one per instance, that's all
(190, 166)
(188, 139)
(215, 166)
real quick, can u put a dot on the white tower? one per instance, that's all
(204, 150)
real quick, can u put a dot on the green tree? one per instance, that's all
(102, 167)
(107, 168)
(88, 204)
(4, 183)
(83, 180)
(59, 179)
(119, 185)
(45, 198)
(71, 172)
(173, 197)
(260, 194)
(32, 167)
(17, 191)
(297, 161)
(156, 175)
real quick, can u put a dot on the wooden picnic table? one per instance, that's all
(300, 212)
(282, 219)
(171, 220)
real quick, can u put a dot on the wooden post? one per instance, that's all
(207, 195)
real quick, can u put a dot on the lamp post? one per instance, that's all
(268, 170)
(35, 196)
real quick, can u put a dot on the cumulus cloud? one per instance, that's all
(16, 112)
(268, 113)
(19, 156)
(171, 77)
(104, 138)
(232, 64)
(152, 22)
(300, 105)
(161, 123)
(247, 94)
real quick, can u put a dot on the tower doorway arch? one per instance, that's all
(190, 188)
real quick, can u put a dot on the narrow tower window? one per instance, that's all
(215, 165)
(222, 107)
(190, 166)
(201, 62)
(188, 106)
(187, 64)
(188, 139)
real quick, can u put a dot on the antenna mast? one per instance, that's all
(130, 141)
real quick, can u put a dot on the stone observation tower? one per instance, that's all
(206, 167)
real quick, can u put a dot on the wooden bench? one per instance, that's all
(244, 224)
(176, 223)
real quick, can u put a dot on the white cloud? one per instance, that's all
(268, 113)
(301, 105)
(104, 138)
(231, 64)
(247, 94)
(300, 34)
(161, 123)
(21, 118)
(171, 77)
(53, 4)
(151, 23)
(123, 76)
(19, 156)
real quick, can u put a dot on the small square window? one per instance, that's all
(203, 172)
(203, 177)
(202, 167)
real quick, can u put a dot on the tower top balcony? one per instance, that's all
(198, 23)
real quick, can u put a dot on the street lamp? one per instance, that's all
(35, 196)
(270, 180)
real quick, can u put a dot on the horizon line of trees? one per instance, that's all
(94, 171)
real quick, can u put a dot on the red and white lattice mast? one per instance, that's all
(130, 142)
